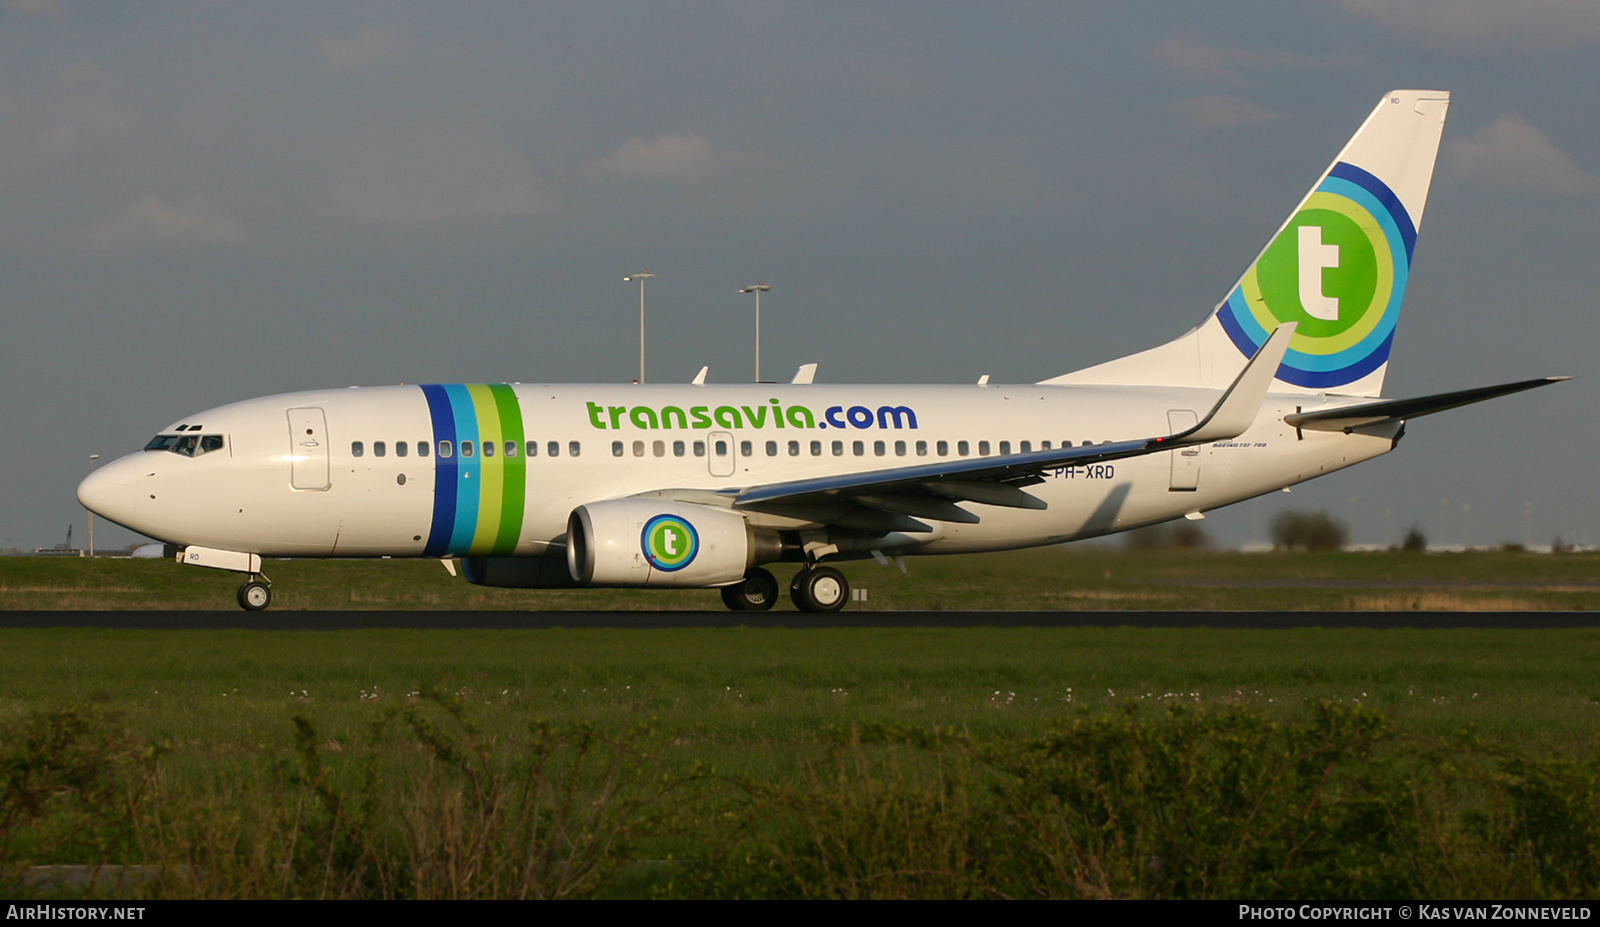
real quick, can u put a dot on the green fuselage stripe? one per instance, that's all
(514, 468)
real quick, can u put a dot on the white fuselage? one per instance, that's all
(302, 474)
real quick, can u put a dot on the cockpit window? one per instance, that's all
(187, 445)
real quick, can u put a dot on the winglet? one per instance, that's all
(806, 374)
(1236, 411)
(700, 378)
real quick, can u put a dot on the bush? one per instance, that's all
(1315, 531)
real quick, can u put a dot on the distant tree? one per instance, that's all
(1415, 542)
(1308, 531)
(1171, 535)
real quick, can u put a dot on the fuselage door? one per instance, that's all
(1185, 461)
(308, 449)
(719, 453)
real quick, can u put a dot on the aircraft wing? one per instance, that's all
(930, 490)
(1348, 418)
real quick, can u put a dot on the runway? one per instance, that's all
(661, 620)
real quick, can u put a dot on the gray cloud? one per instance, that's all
(370, 43)
(1225, 111)
(668, 156)
(1510, 153)
(1221, 64)
(1488, 27)
(417, 175)
(154, 223)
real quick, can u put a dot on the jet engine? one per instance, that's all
(645, 542)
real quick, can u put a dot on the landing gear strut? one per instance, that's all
(256, 593)
(819, 589)
(757, 592)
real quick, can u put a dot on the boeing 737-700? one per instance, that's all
(699, 485)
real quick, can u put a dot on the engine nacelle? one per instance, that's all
(643, 542)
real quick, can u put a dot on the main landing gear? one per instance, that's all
(819, 589)
(256, 593)
(757, 592)
(814, 589)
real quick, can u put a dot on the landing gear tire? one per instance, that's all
(819, 589)
(757, 592)
(255, 595)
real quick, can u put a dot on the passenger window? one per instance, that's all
(466, 449)
(380, 449)
(659, 448)
(1005, 447)
(722, 448)
(210, 443)
(553, 449)
(943, 448)
(983, 449)
(745, 449)
(511, 448)
(677, 448)
(816, 449)
(794, 448)
(838, 448)
(1044, 445)
(532, 447)
(488, 448)
(445, 450)
(616, 449)
(422, 448)
(699, 449)
(1027, 447)
(922, 448)
(638, 448)
(899, 449)
(878, 448)
(574, 448)
(356, 448)
(859, 448)
(772, 448)
(962, 448)
(401, 448)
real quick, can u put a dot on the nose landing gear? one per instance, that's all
(256, 593)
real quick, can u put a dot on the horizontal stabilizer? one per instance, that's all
(1347, 418)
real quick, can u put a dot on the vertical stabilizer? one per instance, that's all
(1338, 267)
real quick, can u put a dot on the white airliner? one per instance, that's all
(698, 485)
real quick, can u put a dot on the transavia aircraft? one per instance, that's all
(698, 485)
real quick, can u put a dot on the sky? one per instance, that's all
(202, 202)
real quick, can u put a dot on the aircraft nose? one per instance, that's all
(108, 491)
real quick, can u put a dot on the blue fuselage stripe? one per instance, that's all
(444, 472)
(468, 471)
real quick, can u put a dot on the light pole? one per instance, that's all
(758, 289)
(641, 276)
(92, 459)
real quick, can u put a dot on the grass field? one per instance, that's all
(817, 763)
(1058, 578)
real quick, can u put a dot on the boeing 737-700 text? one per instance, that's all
(697, 485)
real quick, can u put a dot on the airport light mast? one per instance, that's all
(758, 289)
(641, 276)
(92, 459)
